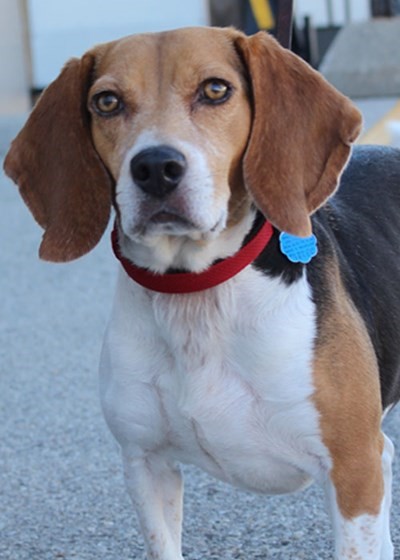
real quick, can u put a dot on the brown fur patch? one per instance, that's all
(301, 135)
(348, 400)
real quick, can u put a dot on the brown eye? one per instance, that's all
(216, 91)
(107, 103)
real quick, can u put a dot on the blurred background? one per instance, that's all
(38, 36)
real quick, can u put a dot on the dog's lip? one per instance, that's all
(165, 217)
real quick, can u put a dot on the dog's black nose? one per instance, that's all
(158, 170)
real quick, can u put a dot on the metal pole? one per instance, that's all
(284, 23)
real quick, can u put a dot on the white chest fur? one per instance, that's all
(221, 379)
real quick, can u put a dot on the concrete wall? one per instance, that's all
(14, 58)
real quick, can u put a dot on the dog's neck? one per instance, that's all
(165, 252)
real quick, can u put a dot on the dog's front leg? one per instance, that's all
(156, 489)
(365, 536)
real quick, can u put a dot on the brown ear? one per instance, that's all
(60, 176)
(301, 134)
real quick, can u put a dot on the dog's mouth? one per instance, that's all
(164, 221)
(165, 218)
(174, 218)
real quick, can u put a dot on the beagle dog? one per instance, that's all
(255, 326)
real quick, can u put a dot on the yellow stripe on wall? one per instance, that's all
(263, 14)
(379, 133)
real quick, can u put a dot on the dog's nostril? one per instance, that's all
(142, 172)
(173, 170)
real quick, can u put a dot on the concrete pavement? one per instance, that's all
(61, 487)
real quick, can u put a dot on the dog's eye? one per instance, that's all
(216, 91)
(107, 103)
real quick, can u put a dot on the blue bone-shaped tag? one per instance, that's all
(298, 249)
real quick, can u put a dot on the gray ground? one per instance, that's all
(61, 488)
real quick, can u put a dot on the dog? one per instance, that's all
(255, 326)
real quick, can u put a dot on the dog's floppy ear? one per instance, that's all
(59, 173)
(301, 134)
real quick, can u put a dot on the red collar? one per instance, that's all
(188, 282)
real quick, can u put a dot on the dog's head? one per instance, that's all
(183, 131)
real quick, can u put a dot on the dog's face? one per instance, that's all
(183, 131)
(171, 124)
